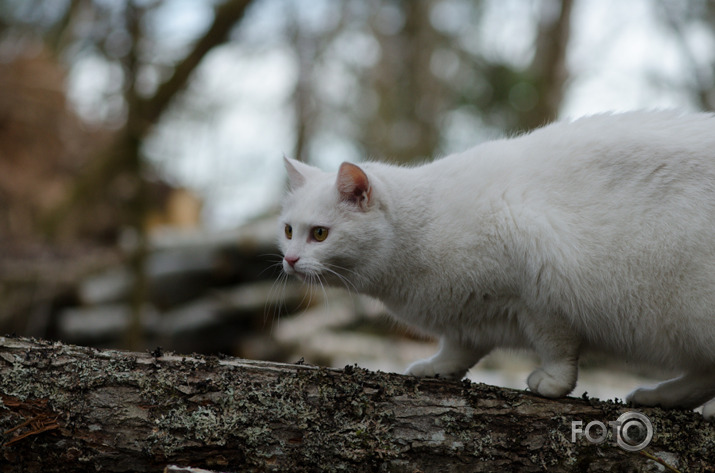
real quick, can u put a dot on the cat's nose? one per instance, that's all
(292, 260)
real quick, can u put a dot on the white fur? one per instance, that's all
(597, 234)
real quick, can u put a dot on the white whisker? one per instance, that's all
(275, 303)
(346, 282)
(325, 294)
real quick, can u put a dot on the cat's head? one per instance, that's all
(333, 227)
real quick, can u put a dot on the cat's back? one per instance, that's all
(659, 127)
(592, 188)
(648, 155)
(573, 173)
(623, 142)
(604, 164)
(640, 160)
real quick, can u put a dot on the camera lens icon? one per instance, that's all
(634, 431)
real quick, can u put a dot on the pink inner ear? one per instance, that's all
(353, 184)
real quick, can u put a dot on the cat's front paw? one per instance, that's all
(436, 369)
(547, 385)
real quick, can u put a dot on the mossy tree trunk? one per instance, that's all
(68, 408)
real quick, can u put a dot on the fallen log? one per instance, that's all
(68, 408)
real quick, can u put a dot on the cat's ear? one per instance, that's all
(353, 185)
(298, 172)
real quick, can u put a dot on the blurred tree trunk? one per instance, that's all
(138, 205)
(679, 19)
(143, 113)
(548, 68)
(309, 48)
(304, 100)
(123, 158)
(410, 97)
(68, 408)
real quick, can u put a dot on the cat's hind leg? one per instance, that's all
(452, 361)
(687, 391)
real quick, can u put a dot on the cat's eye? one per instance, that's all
(288, 231)
(320, 233)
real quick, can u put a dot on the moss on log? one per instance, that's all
(67, 408)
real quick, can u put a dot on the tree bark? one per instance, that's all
(67, 408)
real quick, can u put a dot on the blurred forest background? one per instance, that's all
(141, 145)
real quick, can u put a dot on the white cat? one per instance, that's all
(592, 235)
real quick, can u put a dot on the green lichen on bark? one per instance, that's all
(137, 412)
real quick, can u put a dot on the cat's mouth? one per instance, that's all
(311, 273)
(291, 271)
(307, 277)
